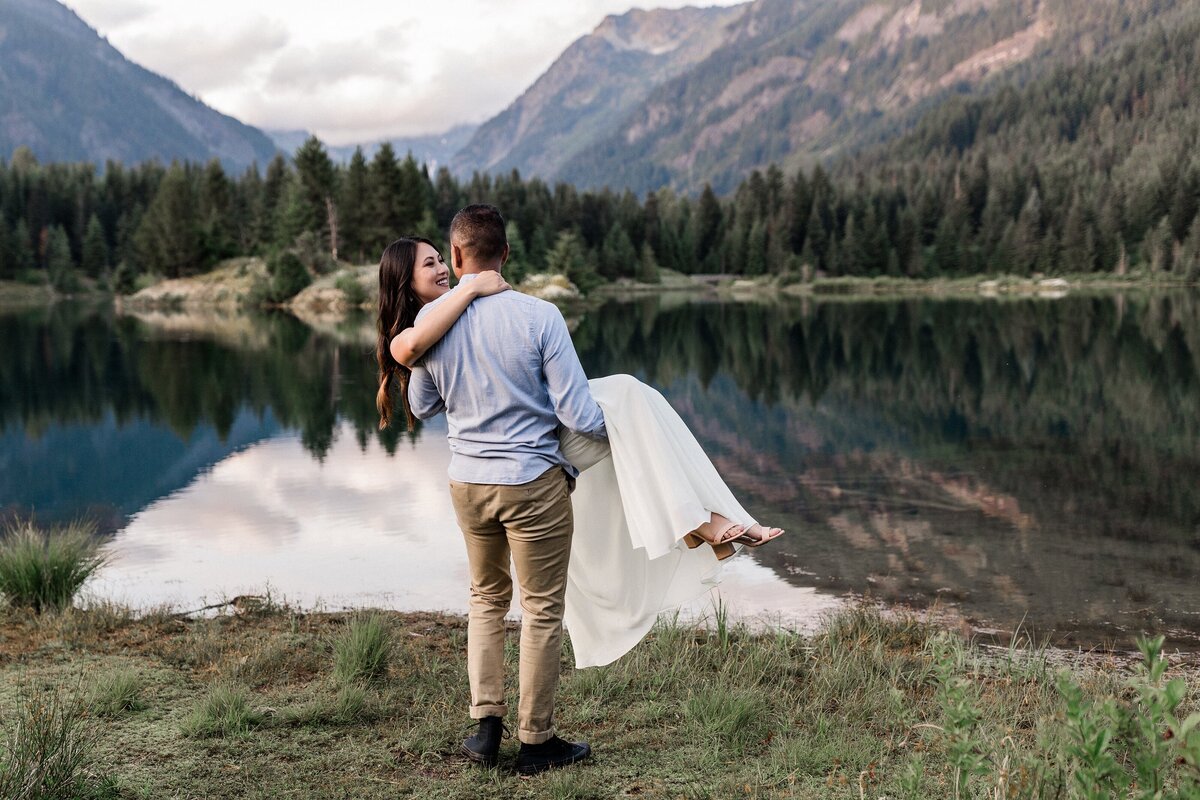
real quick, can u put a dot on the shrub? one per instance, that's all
(286, 277)
(42, 570)
(352, 289)
(363, 650)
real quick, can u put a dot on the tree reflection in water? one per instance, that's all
(1021, 460)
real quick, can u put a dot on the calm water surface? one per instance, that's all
(1031, 463)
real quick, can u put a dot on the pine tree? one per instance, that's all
(1189, 260)
(168, 238)
(517, 266)
(1078, 254)
(756, 249)
(708, 225)
(313, 205)
(387, 184)
(617, 256)
(8, 269)
(23, 258)
(354, 207)
(414, 195)
(799, 208)
(94, 258)
(647, 267)
(273, 191)
(215, 204)
(568, 257)
(60, 267)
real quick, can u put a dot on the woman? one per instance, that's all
(627, 562)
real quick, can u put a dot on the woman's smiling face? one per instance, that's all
(431, 276)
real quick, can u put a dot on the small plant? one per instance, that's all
(965, 748)
(116, 693)
(1091, 728)
(44, 570)
(224, 712)
(363, 650)
(47, 751)
(1159, 740)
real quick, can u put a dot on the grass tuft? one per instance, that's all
(225, 712)
(49, 750)
(362, 652)
(43, 570)
(116, 693)
(731, 718)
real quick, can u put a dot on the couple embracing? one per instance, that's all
(596, 490)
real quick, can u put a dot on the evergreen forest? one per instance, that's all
(1092, 167)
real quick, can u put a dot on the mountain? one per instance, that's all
(69, 95)
(787, 82)
(592, 86)
(434, 150)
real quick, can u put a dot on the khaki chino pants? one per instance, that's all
(534, 522)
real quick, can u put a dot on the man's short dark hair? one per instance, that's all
(479, 230)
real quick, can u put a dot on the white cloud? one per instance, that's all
(358, 71)
(201, 58)
(112, 13)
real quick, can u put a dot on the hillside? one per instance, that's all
(786, 82)
(67, 94)
(592, 86)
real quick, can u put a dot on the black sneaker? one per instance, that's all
(484, 747)
(555, 752)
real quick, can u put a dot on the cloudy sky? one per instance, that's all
(356, 70)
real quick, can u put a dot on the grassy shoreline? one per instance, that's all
(222, 287)
(249, 703)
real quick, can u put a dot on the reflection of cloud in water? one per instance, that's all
(754, 593)
(358, 528)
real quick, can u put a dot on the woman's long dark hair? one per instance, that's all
(398, 307)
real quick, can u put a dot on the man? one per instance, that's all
(507, 375)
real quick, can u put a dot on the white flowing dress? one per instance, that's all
(637, 496)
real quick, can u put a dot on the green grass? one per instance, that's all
(117, 692)
(254, 705)
(361, 653)
(224, 711)
(43, 570)
(49, 749)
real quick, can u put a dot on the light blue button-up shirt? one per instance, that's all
(507, 375)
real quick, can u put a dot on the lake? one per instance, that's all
(1020, 464)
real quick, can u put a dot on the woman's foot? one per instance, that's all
(757, 535)
(718, 530)
(718, 533)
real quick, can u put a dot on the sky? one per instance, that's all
(367, 70)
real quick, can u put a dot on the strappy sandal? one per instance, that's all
(762, 539)
(722, 544)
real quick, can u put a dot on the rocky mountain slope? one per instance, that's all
(69, 95)
(593, 86)
(789, 82)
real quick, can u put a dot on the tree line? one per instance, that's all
(1091, 168)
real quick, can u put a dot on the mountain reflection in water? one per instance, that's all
(1023, 462)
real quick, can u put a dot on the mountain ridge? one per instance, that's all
(69, 95)
(636, 50)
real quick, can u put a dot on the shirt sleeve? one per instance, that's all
(424, 399)
(566, 381)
